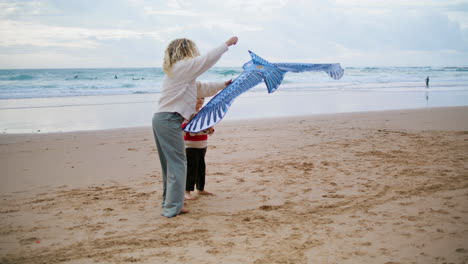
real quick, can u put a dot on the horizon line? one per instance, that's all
(153, 67)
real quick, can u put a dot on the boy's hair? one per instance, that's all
(177, 50)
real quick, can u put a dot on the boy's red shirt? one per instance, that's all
(194, 137)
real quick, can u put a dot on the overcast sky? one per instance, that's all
(134, 33)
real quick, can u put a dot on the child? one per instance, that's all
(180, 89)
(195, 149)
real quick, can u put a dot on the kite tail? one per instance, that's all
(259, 60)
(273, 77)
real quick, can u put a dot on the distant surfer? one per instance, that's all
(427, 81)
(115, 77)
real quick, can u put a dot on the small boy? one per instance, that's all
(195, 149)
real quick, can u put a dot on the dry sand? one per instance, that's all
(381, 187)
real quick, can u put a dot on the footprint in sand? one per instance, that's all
(333, 195)
(29, 241)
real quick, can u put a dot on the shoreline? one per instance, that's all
(365, 187)
(101, 113)
(242, 120)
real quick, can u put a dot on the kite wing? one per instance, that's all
(217, 107)
(255, 71)
(334, 70)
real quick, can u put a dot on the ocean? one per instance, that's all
(45, 83)
(59, 100)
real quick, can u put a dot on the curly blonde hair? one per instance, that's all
(178, 49)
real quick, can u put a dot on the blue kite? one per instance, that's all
(254, 72)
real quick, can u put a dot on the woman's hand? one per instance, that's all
(232, 41)
(226, 84)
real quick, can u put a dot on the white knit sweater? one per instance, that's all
(180, 91)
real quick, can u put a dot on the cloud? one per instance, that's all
(136, 32)
(26, 33)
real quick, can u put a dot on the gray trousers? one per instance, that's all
(171, 148)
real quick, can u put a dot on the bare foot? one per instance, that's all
(188, 196)
(184, 211)
(206, 193)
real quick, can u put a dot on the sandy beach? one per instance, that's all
(369, 187)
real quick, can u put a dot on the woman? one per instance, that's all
(180, 89)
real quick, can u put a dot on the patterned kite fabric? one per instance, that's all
(255, 71)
